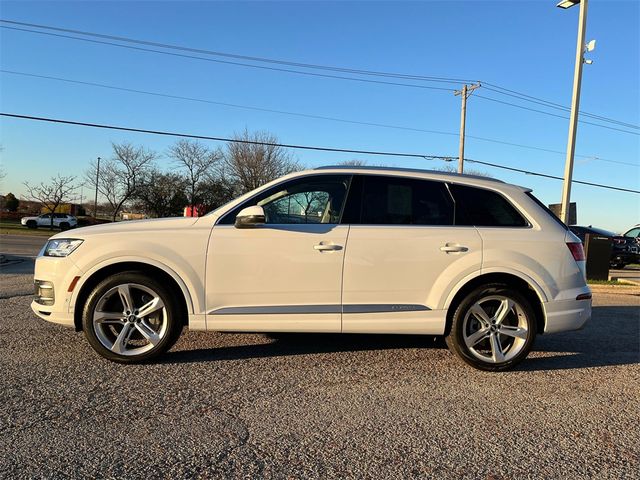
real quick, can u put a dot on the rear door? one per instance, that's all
(404, 255)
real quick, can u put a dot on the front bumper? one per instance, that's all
(60, 273)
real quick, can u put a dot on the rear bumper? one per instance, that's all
(624, 257)
(565, 315)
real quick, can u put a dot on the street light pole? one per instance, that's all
(95, 201)
(575, 107)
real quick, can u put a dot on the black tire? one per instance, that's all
(65, 226)
(520, 319)
(166, 323)
(618, 266)
(32, 224)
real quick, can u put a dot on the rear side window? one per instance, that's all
(404, 201)
(484, 208)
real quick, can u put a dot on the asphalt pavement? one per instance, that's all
(22, 245)
(318, 406)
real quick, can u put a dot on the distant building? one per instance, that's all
(70, 208)
(132, 216)
(193, 210)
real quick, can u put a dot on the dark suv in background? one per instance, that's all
(624, 249)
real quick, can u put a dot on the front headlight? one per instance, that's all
(61, 247)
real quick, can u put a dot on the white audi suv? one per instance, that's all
(335, 249)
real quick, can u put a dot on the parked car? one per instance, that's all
(624, 250)
(634, 233)
(60, 220)
(336, 249)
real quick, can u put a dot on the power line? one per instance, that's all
(552, 114)
(304, 115)
(545, 175)
(225, 104)
(302, 147)
(546, 103)
(490, 86)
(226, 62)
(241, 57)
(224, 139)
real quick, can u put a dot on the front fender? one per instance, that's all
(187, 279)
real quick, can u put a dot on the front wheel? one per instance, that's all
(493, 328)
(130, 317)
(32, 224)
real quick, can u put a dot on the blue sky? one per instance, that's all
(525, 46)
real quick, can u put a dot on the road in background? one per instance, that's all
(21, 245)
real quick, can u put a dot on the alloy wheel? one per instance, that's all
(495, 329)
(130, 319)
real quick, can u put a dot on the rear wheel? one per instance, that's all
(493, 328)
(130, 317)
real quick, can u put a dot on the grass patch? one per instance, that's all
(605, 282)
(14, 228)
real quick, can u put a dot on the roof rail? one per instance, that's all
(405, 169)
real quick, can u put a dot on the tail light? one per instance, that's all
(576, 250)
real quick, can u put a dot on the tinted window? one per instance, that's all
(404, 201)
(484, 208)
(313, 199)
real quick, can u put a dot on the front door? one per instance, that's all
(285, 275)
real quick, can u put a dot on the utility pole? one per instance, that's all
(575, 106)
(95, 201)
(464, 93)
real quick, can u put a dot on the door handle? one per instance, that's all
(453, 248)
(327, 247)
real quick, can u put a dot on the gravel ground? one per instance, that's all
(318, 406)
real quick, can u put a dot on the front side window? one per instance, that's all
(404, 201)
(633, 233)
(484, 208)
(313, 199)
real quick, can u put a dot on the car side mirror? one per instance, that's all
(250, 217)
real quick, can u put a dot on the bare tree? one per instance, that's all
(3, 171)
(255, 159)
(197, 161)
(467, 171)
(216, 191)
(121, 176)
(52, 194)
(354, 162)
(163, 194)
